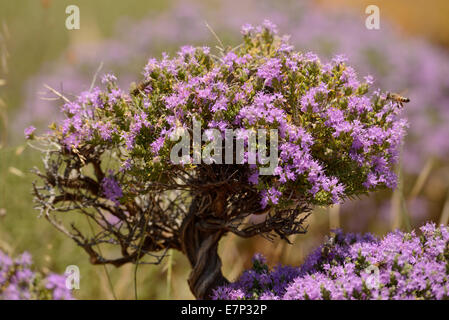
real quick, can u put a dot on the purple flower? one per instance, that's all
(19, 282)
(270, 70)
(24, 259)
(108, 78)
(57, 283)
(247, 29)
(270, 26)
(111, 188)
(157, 145)
(29, 132)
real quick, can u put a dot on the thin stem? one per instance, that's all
(422, 178)
(169, 273)
(138, 255)
(104, 266)
(216, 37)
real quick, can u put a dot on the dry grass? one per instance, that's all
(4, 55)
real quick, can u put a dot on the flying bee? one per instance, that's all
(140, 87)
(397, 98)
(328, 245)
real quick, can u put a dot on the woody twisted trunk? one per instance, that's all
(201, 248)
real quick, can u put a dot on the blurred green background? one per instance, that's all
(33, 33)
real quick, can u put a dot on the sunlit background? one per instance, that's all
(408, 55)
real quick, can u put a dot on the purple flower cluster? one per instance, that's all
(29, 132)
(321, 111)
(356, 267)
(111, 188)
(19, 282)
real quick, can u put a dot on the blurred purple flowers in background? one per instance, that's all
(19, 282)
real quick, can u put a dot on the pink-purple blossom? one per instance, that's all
(111, 188)
(29, 131)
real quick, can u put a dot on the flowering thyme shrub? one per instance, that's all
(110, 158)
(409, 265)
(19, 282)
